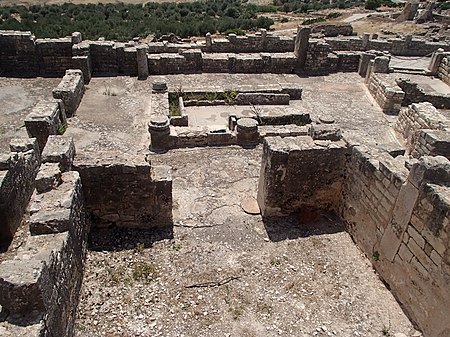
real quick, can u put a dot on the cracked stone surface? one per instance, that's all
(223, 272)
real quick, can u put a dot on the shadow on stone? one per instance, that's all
(116, 239)
(302, 224)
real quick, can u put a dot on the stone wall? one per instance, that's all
(18, 170)
(385, 91)
(420, 116)
(70, 90)
(327, 29)
(54, 56)
(400, 221)
(128, 193)
(402, 47)
(432, 143)
(251, 43)
(299, 172)
(444, 70)
(160, 64)
(18, 55)
(45, 275)
(415, 94)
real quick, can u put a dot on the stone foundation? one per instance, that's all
(386, 92)
(70, 90)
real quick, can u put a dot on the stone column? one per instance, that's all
(247, 132)
(365, 40)
(263, 38)
(436, 60)
(381, 64)
(159, 129)
(76, 37)
(208, 40)
(301, 45)
(142, 62)
(364, 61)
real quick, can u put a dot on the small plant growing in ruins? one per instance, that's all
(275, 262)
(108, 91)
(230, 96)
(143, 271)
(177, 246)
(118, 275)
(386, 331)
(236, 312)
(139, 249)
(376, 255)
(257, 110)
(61, 128)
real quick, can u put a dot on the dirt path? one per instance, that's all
(227, 273)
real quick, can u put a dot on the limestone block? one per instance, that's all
(325, 132)
(248, 98)
(48, 177)
(44, 120)
(70, 90)
(59, 149)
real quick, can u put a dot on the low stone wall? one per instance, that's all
(251, 43)
(128, 193)
(18, 55)
(402, 47)
(18, 171)
(432, 143)
(299, 172)
(386, 92)
(416, 117)
(45, 119)
(161, 64)
(415, 94)
(444, 70)
(70, 90)
(327, 29)
(400, 221)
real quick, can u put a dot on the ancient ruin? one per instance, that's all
(107, 148)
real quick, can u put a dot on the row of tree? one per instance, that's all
(125, 21)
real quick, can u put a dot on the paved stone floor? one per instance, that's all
(17, 97)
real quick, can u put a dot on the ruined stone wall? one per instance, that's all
(385, 91)
(128, 193)
(70, 91)
(417, 117)
(190, 62)
(299, 172)
(403, 47)
(54, 56)
(250, 43)
(444, 69)
(401, 223)
(327, 29)
(432, 143)
(415, 94)
(18, 54)
(18, 170)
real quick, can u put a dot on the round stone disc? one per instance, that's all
(250, 206)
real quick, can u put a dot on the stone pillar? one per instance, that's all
(247, 132)
(436, 60)
(263, 38)
(408, 40)
(381, 64)
(364, 61)
(142, 62)
(232, 38)
(208, 40)
(427, 170)
(365, 40)
(76, 37)
(409, 11)
(159, 129)
(301, 45)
